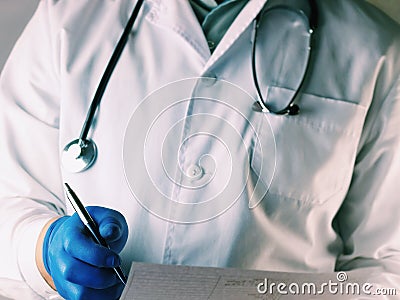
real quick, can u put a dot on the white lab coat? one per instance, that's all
(332, 203)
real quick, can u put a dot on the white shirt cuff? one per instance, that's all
(26, 257)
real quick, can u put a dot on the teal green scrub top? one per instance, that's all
(215, 18)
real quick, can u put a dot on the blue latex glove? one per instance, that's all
(81, 268)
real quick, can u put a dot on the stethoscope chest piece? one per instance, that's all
(79, 155)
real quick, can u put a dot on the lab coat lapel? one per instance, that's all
(239, 25)
(179, 17)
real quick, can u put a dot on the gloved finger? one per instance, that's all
(78, 272)
(112, 226)
(110, 229)
(81, 245)
(76, 292)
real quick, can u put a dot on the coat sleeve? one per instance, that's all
(30, 179)
(369, 220)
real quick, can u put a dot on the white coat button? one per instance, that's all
(194, 172)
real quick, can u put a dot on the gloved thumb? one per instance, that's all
(112, 226)
(110, 229)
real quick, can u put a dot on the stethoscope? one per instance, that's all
(81, 153)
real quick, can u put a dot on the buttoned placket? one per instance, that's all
(189, 29)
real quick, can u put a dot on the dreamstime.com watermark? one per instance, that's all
(340, 286)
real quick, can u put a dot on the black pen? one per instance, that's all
(90, 224)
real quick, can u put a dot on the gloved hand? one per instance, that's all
(81, 268)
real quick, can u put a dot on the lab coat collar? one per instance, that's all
(246, 16)
(179, 17)
(239, 25)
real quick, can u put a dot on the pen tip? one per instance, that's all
(66, 185)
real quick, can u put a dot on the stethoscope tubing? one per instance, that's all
(108, 72)
(291, 108)
(83, 151)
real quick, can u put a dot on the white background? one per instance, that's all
(14, 14)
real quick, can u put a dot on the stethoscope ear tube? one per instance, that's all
(291, 108)
(313, 19)
(81, 153)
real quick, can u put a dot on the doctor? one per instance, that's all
(189, 170)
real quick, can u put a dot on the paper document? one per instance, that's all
(171, 282)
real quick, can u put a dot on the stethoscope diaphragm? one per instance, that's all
(78, 155)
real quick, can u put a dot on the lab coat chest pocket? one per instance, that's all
(315, 150)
